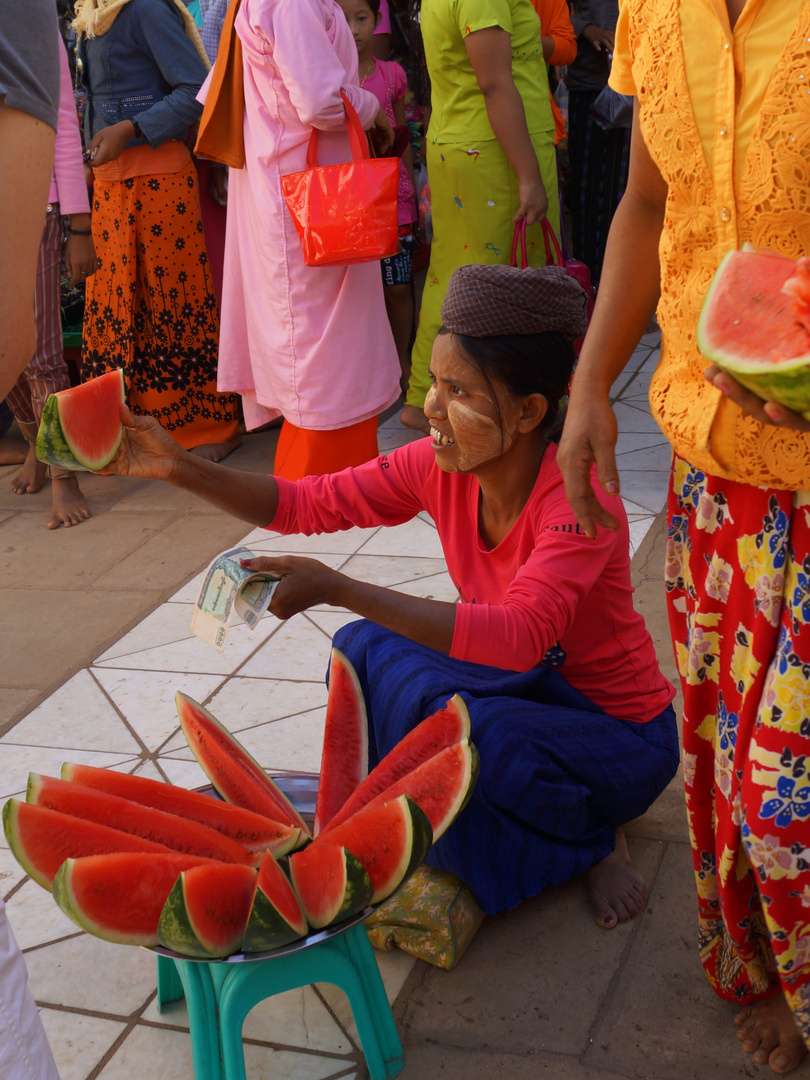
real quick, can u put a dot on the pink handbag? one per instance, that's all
(573, 267)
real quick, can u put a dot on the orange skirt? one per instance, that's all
(150, 307)
(302, 452)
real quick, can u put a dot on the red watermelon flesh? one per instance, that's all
(120, 897)
(255, 832)
(172, 831)
(206, 912)
(444, 728)
(275, 917)
(439, 786)
(390, 839)
(89, 417)
(331, 884)
(344, 760)
(236, 775)
(41, 839)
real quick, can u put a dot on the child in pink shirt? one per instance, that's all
(387, 81)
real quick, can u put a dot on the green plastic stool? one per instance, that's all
(220, 995)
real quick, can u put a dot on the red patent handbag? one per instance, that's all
(573, 267)
(345, 213)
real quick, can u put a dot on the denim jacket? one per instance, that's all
(146, 69)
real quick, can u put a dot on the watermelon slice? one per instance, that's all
(440, 786)
(120, 897)
(331, 884)
(234, 773)
(444, 728)
(171, 831)
(257, 833)
(753, 325)
(344, 760)
(206, 912)
(275, 917)
(41, 839)
(81, 427)
(390, 839)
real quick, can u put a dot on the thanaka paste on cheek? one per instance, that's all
(478, 437)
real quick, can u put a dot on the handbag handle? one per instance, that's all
(520, 232)
(358, 143)
(550, 240)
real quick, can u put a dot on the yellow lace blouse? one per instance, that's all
(726, 116)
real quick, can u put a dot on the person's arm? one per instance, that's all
(490, 53)
(556, 33)
(628, 295)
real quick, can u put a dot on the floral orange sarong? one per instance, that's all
(738, 586)
(150, 307)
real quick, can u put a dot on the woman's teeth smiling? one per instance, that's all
(439, 439)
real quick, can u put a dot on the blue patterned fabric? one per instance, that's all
(557, 773)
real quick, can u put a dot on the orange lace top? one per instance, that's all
(755, 131)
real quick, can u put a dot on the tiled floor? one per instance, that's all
(98, 1000)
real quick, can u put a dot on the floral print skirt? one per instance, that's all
(150, 307)
(738, 587)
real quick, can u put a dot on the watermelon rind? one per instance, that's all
(757, 314)
(344, 759)
(126, 889)
(255, 832)
(441, 729)
(268, 926)
(178, 930)
(57, 837)
(235, 773)
(389, 859)
(51, 445)
(331, 884)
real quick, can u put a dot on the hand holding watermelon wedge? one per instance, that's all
(767, 412)
(147, 450)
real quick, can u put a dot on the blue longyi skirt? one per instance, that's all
(557, 774)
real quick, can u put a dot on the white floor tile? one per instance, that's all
(88, 973)
(387, 570)
(36, 918)
(10, 871)
(395, 967)
(297, 1018)
(415, 537)
(78, 714)
(657, 457)
(337, 543)
(298, 650)
(645, 487)
(437, 587)
(294, 744)
(146, 698)
(331, 621)
(78, 1042)
(244, 703)
(630, 418)
(185, 772)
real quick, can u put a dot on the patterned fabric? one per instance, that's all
(47, 371)
(738, 586)
(759, 197)
(150, 308)
(434, 917)
(557, 774)
(487, 301)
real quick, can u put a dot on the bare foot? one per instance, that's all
(12, 451)
(31, 476)
(68, 506)
(769, 1034)
(414, 418)
(616, 892)
(216, 451)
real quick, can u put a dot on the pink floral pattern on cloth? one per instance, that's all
(738, 590)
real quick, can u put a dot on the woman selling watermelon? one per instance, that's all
(569, 712)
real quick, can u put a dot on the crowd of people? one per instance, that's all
(571, 715)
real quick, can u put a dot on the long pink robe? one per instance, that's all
(310, 343)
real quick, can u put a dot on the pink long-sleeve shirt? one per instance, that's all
(544, 594)
(67, 183)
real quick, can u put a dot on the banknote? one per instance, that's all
(228, 587)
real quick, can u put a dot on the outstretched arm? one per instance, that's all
(149, 452)
(628, 294)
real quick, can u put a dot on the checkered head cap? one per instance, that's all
(491, 301)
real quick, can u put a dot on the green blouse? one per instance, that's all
(459, 112)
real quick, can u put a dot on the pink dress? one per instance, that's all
(310, 343)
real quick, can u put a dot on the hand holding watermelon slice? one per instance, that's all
(755, 328)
